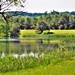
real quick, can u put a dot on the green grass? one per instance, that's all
(33, 32)
(9, 63)
(25, 33)
(66, 67)
(58, 62)
(60, 35)
(30, 33)
(63, 32)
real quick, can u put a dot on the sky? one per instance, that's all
(48, 5)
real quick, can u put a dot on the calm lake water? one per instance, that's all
(23, 46)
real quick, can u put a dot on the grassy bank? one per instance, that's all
(10, 63)
(55, 66)
(67, 67)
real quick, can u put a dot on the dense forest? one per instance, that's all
(36, 21)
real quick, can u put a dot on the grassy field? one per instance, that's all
(56, 35)
(25, 33)
(63, 32)
(66, 67)
(55, 32)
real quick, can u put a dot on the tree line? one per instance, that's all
(47, 21)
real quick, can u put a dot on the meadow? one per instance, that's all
(33, 32)
(52, 35)
(24, 33)
(65, 68)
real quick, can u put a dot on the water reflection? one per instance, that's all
(27, 46)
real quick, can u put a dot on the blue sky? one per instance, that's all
(48, 5)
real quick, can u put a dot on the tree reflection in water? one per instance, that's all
(23, 47)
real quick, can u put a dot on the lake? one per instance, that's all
(31, 45)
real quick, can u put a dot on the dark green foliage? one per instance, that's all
(15, 32)
(53, 20)
(48, 32)
(45, 21)
(42, 26)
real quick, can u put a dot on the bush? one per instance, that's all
(47, 32)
